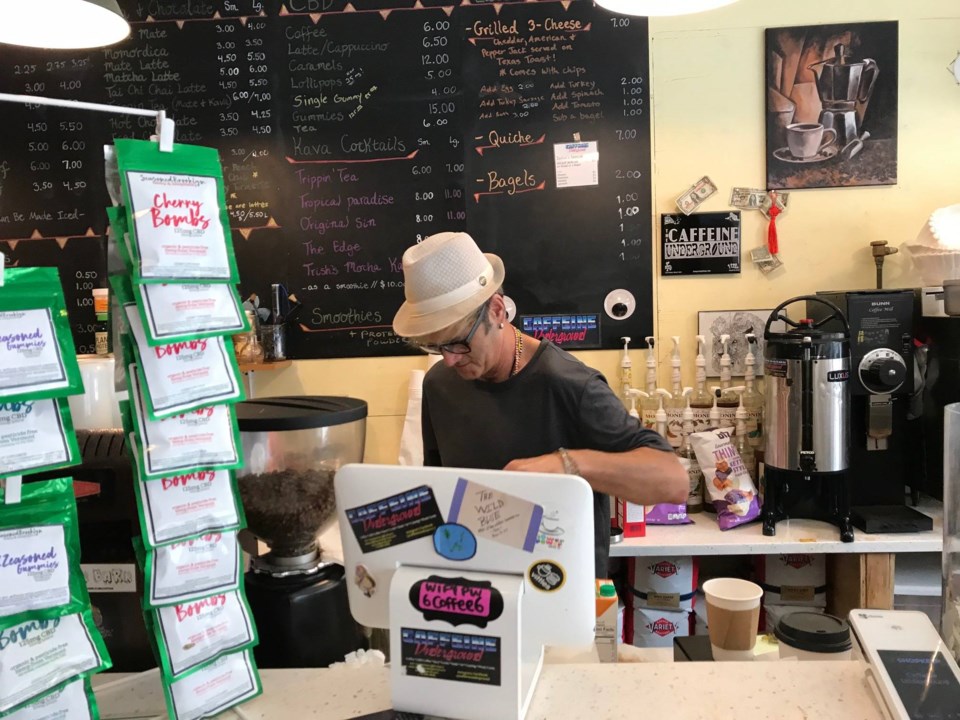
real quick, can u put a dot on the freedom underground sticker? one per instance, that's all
(394, 520)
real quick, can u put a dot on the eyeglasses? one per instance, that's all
(455, 347)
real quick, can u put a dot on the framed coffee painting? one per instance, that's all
(832, 105)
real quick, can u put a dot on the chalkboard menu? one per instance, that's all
(349, 131)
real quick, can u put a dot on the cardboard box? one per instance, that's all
(606, 635)
(631, 518)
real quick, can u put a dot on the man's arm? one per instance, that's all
(644, 476)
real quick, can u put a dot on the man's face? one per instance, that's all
(480, 362)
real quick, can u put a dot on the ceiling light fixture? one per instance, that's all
(649, 8)
(62, 24)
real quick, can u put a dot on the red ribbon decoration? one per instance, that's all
(772, 243)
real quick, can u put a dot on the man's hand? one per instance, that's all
(550, 463)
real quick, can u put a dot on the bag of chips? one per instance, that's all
(40, 553)
(35, 436)
(176, 212)
(37, 355)
(731, 490)
(193, 633)
(37, 655)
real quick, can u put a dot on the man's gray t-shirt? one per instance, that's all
(555, 401)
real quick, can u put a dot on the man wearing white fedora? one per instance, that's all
(504, 400)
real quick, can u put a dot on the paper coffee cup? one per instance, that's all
(733, 612)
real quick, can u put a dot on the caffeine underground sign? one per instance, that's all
(457, 600)
(700, 243)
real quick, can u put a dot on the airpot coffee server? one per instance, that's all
(807, 420)
(292, 447)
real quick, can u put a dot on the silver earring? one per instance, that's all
(501, 326)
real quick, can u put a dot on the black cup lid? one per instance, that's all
(814, 632)
(298, 413)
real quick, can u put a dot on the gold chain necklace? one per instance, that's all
(517, 353)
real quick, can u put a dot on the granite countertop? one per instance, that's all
(679, 691)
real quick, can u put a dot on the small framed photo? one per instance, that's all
(735, 323)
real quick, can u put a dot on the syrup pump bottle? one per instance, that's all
(676, 404)
(660, 417)
(688, 458)
(648, 407)
(626, 371)
(752, 399)
(715, 416)
(728, 399)
(632, 395)
(741, 442)
(702, 399)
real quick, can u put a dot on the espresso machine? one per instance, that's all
(881, 324)
(842, 82)
(807, 427)
(292, 447)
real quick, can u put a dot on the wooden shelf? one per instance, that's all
(256, 367)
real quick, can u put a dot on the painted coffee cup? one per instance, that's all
(806, 140)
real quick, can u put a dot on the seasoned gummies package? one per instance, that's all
(37, 355)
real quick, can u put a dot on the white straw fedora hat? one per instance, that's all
(446, 277)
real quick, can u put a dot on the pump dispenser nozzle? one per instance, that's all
(675, 363)
(651, 365)
(661, 417)
(714, 417)
(632, 395)
(725, 371)
(626, 369)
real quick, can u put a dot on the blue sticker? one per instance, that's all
(454, 542)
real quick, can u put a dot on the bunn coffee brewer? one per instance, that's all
(292, 447)
(881, 326)
(807, 420)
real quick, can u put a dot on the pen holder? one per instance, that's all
(273, 339)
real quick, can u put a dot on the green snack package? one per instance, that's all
(72, 700)
(188, 570)
(35, 436)
(40, 553)
(182, 376)
(37, 355)
(176, 211)
(194, 633)
(119, 235)
(207, 438)
(183, 506)
(234, 676)
(38, 655)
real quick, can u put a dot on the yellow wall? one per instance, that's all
(707, 99)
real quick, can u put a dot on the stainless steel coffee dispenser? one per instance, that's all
(807, 420)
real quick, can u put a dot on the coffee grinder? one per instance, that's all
(292, 447)
(842, 82)
(807, 425)
(881, 384)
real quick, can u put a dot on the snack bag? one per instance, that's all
(73, 700)
(40, 553)
(176, 212)
(204, 439)
(195, 632)
(227, 681)
(667, 514)
(38, 655)
(182, 376)
(731, 490)
(190, 569)
(179, 507)
(37, 355)
(36, 435)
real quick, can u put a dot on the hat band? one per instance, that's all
(448, 299)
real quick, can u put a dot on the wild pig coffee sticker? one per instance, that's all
(457, 600)
(496, 515)
(178, 231)
(30, 357)
(395, 520)
(546, 575)
(700, 243)
(454, 542)
(450, 656)
(567, 331)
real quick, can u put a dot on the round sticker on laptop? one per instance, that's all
(546, 575)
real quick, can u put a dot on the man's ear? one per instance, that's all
(498, 309)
